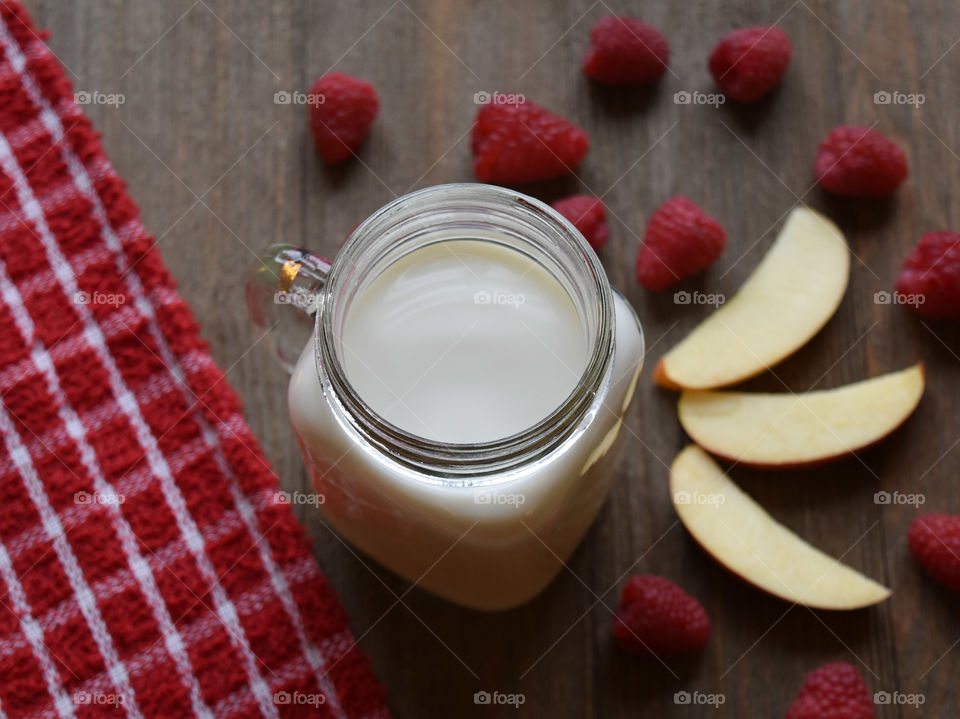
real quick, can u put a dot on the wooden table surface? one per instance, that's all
(220, 170)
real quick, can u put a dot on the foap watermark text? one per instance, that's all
(95, 97)
(499, 699)
(695, 97)
(712, 299)
(298, 698)
(110, 299)
(98, 699)
(302, 299)
(897, 698)
(698, 698)
(684, 497)
(107, 498)
(898, 298)
(296, 97)
(312, 499)
(483, 97)
(514, 499)
(895, 97)
(899, 498)
(498, 297)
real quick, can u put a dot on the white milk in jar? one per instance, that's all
(464, 341)
(460, 402)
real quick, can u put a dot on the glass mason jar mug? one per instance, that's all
(460, 398)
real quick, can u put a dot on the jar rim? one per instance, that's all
(445, 461)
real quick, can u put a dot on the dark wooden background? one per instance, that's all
(220, 171)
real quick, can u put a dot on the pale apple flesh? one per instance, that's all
(794, 430)
(739, 534)
(787, 299)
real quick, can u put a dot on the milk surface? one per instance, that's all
(464, 341)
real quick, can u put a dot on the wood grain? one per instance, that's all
(221, 171)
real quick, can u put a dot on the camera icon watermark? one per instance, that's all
(695, 97)
(296, 97)
(95, 97)
(712, 299)
(484, 97)
(895, 97)
(883, 297)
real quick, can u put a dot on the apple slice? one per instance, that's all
(790, 295)
(791, 430)
(740, 535)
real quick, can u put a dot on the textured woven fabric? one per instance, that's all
(146, 568)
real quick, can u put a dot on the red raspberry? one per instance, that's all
(834, 691)
(748, 63)
(680, 240)
(859, 162)
(523, 142)
(341, 121)
(932, 272)
(626, 51)
(656, 616)
(588, 215)
(934, 540)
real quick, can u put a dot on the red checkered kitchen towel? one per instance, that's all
(145, 570)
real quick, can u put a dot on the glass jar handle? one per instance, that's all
(284, 290)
